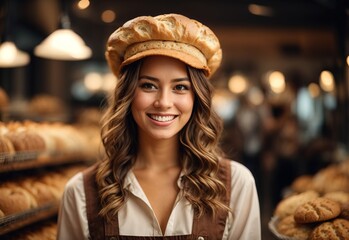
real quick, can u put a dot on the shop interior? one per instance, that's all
(282, 90)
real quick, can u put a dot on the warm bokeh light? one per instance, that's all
(314, 90)
(238, 84)
(277, 82)
(348, 61)
(224, 104)
(83, 4)
(255, 96)
(327, 81)
(109, 81)
(260, 10)
(108, 16)
(93, 81)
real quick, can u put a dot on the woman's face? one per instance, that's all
(164, 98)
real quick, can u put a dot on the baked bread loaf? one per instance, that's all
(302, 183)
(338, 196)
(288, 205)
(338, 229)
(172, 35)
(15, 199)
(344, 211)
(289, 227)
(40, 191)
(317, 210)
(7, 151)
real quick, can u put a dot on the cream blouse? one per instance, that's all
(136, 217)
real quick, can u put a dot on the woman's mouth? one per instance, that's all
(162, 118)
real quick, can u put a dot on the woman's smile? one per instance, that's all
(164, 98)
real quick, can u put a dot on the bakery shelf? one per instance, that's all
(30, 160)
(17, 221)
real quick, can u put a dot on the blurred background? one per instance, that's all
(282, 89)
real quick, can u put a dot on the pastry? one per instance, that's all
(338, 229)
(288, 205)
(317, 210)
(289, 227)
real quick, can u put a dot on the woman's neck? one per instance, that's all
(160, 154)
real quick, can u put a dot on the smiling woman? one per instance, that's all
(164, 173)
(163, 100)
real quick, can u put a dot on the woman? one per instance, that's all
(163, 174)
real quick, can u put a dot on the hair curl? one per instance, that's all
(199, 150)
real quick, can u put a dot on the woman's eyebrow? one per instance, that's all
(157, 80)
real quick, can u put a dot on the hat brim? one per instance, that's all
(184, 57)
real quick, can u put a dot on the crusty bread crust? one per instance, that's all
(317, 210)
(168, 27)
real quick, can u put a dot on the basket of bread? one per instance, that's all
(318, 207)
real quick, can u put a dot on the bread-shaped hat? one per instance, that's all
(172, 35)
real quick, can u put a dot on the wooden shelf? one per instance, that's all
(32, 160)
(16, 221)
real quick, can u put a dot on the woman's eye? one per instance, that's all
(148, 86)
(181, 88)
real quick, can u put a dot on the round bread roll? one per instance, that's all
(344, 211)
(302, 183)
(7, 151)
(15, 199)
(338, 229)
(317, 210)
(289, 227)
(288, 205)
(338, 196)
(24, 141)
(41, 192)
(171, 35)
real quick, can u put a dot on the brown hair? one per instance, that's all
(199, 148)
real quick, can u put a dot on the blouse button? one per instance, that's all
(201, 238)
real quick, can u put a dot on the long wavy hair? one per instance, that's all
(199, 148)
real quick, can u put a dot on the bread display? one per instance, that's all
(289, 227)
(7, 150)
(288, 205)
(28, 139)
(30, 192)
(318, 207)
(15, 200)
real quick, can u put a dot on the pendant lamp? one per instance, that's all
(63, 44)
(10, 55)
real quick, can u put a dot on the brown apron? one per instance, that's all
(204, 228)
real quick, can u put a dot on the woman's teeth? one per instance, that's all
(162, 118)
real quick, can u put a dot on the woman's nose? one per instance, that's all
(163, 100)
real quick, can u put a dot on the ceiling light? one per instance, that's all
(11, 56)
(63, 44)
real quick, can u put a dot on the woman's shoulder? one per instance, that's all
(75, 183)
(240, 172)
